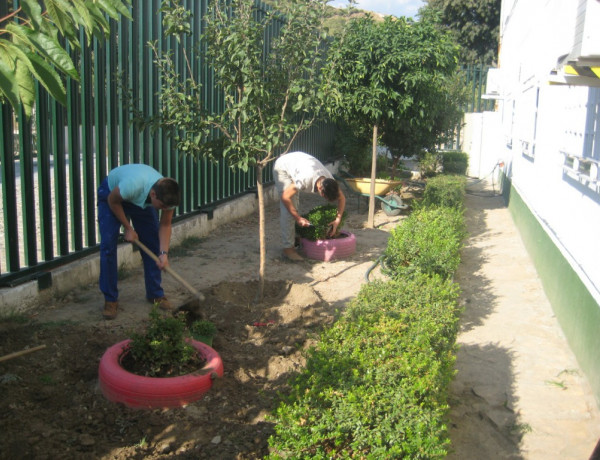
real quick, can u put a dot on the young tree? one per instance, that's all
(30, 48)
(431, 122)
(273, 90)
(391, 75)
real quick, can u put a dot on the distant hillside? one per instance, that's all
(338, 16)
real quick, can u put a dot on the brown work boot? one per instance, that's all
(162, 302)
(292, 254)
(110, 310)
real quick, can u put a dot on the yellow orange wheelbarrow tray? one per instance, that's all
(391, 203)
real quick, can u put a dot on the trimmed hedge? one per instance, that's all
(376, 385)
(428, 241)
(455, 162)
(446, 191)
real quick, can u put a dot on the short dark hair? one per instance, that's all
(331, 189)
(167, 191)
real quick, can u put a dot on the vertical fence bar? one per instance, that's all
(60, 182)
(74, 209)
(113, 94)
(27, 198)
(101, 101)
(43, 124)
(9, 200)
(87, 146)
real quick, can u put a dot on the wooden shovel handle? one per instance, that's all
(21, 353)
(168, 269)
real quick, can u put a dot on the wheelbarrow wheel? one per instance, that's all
(392, 205)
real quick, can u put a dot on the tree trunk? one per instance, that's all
(371, 220)
(261, 233)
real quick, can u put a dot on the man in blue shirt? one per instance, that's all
(136, 192)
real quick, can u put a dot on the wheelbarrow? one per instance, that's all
(391, 203)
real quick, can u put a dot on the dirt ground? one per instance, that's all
(50, 403)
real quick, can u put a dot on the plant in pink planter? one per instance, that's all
(161, 368)
(315, 242)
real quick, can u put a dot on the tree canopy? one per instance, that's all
(400, 75)
(475, 25)
(32, 48)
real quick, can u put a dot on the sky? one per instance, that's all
(408, 8)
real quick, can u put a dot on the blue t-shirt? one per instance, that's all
(134, 182)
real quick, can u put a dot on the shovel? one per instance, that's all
(192, 305)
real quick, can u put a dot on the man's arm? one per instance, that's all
(115, 202)
(164, 236)
(341, 206)
(286, 198)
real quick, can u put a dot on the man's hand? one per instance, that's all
(163, 261)
(130, 235)
(333, 226)
(302, 222)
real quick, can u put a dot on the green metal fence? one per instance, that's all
(51, 165)
(475, 80)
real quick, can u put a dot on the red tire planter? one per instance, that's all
(337, 248)
(136, 391)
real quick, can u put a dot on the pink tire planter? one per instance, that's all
(136, 391)
(326, 250)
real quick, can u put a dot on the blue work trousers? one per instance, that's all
(145, 223)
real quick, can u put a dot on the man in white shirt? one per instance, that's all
(300, 172)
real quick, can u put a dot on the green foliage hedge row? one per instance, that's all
(455, 162)
(428, 241)
(376, 384)
(445, 190)
(375, 387)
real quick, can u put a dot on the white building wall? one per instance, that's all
(540, 122)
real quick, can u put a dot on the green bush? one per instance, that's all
(455, 162)
(429, 163)
(444, 190)
(428, 241)
(319, 217)
(202, 328)
(161, 350)
(375, 387)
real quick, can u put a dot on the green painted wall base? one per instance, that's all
(575, 308)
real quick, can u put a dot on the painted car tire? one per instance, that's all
(136, 391)
(326, 250)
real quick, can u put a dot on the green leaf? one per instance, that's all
(56, 10)
(47, 46)
(8, 86)
(109, 8)
(26, 87)
(122, 7)
(101, 32)
(48, 77)
(85, 18)
(33, 11)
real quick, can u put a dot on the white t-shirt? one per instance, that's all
(303, 169)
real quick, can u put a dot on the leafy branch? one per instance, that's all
(32, 46)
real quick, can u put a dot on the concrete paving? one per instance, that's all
(518, 392)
